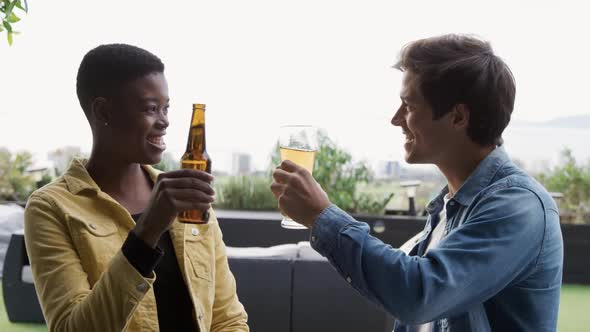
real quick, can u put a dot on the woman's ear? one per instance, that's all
(100, 111)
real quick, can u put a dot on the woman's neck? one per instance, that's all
(113, 175)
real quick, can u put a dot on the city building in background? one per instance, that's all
(241, 163)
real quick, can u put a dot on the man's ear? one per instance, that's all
(460, 116)
(101, 111)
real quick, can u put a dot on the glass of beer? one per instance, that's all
(298, 143)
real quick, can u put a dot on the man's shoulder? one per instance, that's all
(516, 200)
(515, 185)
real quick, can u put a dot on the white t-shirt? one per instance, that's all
(435, 237)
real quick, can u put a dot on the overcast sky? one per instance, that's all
(261, 64)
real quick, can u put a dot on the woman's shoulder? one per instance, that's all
(51, 191)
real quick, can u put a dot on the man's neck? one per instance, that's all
(461, 163)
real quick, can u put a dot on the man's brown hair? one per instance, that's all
(459, 69)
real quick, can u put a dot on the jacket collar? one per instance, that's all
(78, 179)
(478, 180)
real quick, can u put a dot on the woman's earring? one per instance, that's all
(106, 124)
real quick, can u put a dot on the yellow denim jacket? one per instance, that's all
(74, 233)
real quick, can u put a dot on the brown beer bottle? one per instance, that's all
(196, 157)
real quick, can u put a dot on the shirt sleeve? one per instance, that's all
(143, 257)
(461, 271)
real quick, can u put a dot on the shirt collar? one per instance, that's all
(436, 205)
(476, 182)
(78, 179)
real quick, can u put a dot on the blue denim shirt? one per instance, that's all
(497, 268)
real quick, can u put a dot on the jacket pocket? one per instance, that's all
(199, 247)
(96, 242)
(94, 229)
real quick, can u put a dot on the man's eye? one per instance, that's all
(166, 110)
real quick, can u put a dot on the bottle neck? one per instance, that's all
(198, 117)
(196, 140)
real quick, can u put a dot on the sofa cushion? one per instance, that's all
(264, 280)
(324, 301)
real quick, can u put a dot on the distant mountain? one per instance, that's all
(576, 121)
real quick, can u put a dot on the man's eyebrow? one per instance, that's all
(406, 98)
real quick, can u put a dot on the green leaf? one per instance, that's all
(13, 18)
(7, 26)
(9, 36)
(9, 9)
(20, 5)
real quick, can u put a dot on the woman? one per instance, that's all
(98, 236)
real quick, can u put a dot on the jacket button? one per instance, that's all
(142, 288)
(194, 231)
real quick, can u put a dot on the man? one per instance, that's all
(106, 249)
(490, 257)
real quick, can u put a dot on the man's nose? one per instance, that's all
(397, 117)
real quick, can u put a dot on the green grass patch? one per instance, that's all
(573, 310)
(7, 326)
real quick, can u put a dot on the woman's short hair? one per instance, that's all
(105, 69)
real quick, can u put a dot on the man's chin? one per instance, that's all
(409, 157)
(412, 158)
